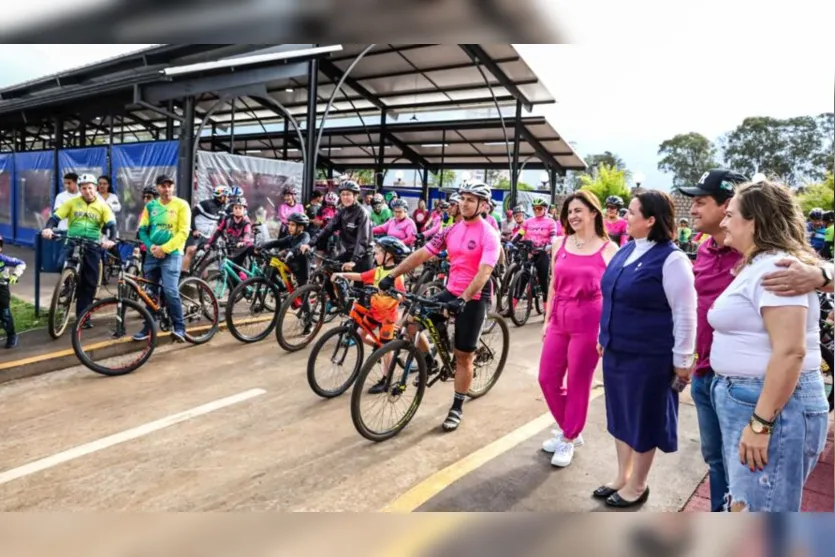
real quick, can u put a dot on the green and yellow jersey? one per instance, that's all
(165, 225)
(85, 220)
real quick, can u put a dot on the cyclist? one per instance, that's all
(297, 224)
(684, 233)
(163, 228)
(473, 247)
(829, 236)
(487, 214)
(390, 198)
(88, 217)
(205, 217)
(388, 252)
(452, 216)
(7, 278)
(615, 223)
(149, 193)
(380, 212)
(816, 229)
(289, 206)
(401, 226)
(237, 232)
(329, 210)
(354, 228)
(541, 231)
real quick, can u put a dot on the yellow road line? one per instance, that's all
(436, 483)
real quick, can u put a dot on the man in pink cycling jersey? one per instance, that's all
(401, 226)
(541, 231)
(615, 225)
(473, 247)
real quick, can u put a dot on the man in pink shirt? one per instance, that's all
(473, 248)
(401, 226)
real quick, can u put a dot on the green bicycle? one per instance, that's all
(229, 274)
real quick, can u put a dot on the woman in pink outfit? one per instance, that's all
(615, 225)
(400, 226)
(572, 320)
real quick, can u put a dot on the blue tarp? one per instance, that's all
(35, 192)
(89, 160)
(7, 196)
(135, 166)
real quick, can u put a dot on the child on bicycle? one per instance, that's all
(236, 229)
(388, 252)
(7, 278)
(299, 263)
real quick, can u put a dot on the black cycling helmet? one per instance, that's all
(614, 201)
(299, 218)
(622, 212)
(349, 185)
(829, 216)
(816, 213)
(150, 190)
(395, 247)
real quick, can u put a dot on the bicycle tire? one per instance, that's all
(359, 389)
(504, 284)
(502, 324)
(54, 328)
(233, 297)
(315, 385)
(204, 291)
(203, 268)
(514, 284)
(100, 369)
(431, 289)
(287, 305)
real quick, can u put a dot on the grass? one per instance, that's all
(24, 316)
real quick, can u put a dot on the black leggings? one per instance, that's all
(6, 321)
(543, 266)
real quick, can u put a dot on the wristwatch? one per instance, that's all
(760, 426)
(827, 277)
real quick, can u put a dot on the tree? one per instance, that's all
(364, 177)
(608, 181)
(818, 195)
(687, 156)
(796, 149)
(448, 182)
(605, 158)
(504, 184)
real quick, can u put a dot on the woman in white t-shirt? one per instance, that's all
(768, 392)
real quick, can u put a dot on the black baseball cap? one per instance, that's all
(163, 178)
(718, 182)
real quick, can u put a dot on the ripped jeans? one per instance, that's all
(797, 441)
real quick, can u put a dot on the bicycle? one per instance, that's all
(263, 296)
(306, 309)
(200, 313)
(64, 294)
(524, 291)
(347, 337)
(827, 343)
(488, 367)
(230, 274)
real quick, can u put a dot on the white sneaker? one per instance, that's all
(563, 454)
(550, 445)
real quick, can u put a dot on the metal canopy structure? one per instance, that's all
(456, 144)
(169, 91)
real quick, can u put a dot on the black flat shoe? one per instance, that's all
(619, 502)
(603, 492)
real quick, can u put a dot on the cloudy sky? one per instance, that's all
(626, 99)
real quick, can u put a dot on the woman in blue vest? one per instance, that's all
(647, 339)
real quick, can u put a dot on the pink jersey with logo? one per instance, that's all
(540, 231)
(404, 230)
(469, 244)
(285, 211)
(617, 231)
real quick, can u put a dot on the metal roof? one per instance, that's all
(455, 144)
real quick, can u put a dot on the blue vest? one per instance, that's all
(636, 316)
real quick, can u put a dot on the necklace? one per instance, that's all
(577, 243)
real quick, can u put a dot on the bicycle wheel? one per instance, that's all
(503, 289)
(431, 289)
(399, 397)
(335, 361)
(251, 309)
(519, 298)
(490, 355)
(300, 317)
(107, 347)
(220, 285)
(62, 300)
(201, 311)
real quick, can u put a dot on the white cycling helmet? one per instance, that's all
(478, 189)
(87, 179)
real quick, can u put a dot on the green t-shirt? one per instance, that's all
(85, 220)
(684, 235)
(830, 234)
(381, 217)
(166, 226)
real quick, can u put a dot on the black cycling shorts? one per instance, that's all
(468, 323)
(192, 241)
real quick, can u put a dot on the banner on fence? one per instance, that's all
(6, 177)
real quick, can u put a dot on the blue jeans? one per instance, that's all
(167, 272)
(711, 439)
(797, 441)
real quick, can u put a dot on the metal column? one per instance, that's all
(110, 147)
(185, 157)
(381, 154)
(312, 97)
(56, 168)
(443, 156)
(514, 171)
(424, 177)
(552, 176)
(232, 130)
(285, 139)
(169, 122)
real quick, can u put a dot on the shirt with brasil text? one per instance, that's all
(165, 225)
(85, 220)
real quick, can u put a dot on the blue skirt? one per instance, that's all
(641, 405)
